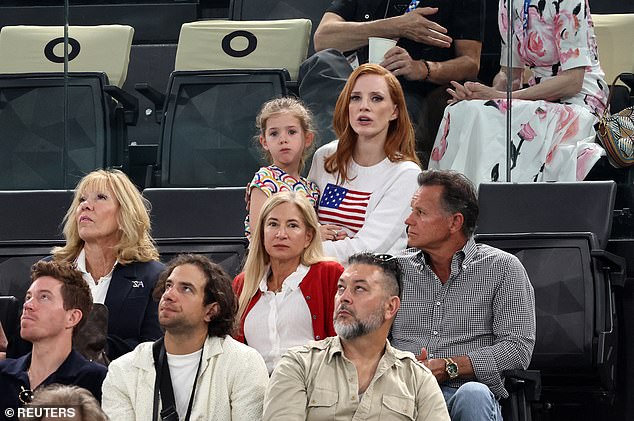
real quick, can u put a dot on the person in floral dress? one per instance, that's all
(552, 128)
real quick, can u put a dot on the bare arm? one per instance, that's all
(256, 201)
(438, 366)
(465, 65)
(566, 84)
(335, 32)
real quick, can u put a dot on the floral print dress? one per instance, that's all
(551, 141)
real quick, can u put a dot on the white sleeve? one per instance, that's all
(247, 392)
(384, 226)
(115, 399)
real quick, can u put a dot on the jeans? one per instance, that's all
(472, 401)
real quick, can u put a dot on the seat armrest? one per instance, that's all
(614, 264)
(156, 97)
(628, 79)
(528, 380)
(129, 102)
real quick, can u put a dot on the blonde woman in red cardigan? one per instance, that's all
(286, 292)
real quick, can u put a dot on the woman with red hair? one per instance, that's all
(367, 176)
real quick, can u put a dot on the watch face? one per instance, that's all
(452, 370)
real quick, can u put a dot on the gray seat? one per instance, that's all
(197, 212)
(559, 232)
(33, 214)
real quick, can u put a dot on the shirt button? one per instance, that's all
(352, 398)
(318, 337)
(435, 332)
(367, 16)
(314, 317)
(437, 303)
(308, 297)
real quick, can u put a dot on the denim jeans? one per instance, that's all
(472, 401)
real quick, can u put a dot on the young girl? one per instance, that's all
(286, 135)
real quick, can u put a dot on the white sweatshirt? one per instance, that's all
(391, 184)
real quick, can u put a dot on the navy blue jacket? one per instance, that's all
(133, 313)
(75, 370)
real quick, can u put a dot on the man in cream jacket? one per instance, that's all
(212, 375)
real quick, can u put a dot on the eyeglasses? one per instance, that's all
(25, 396)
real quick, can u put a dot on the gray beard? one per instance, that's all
(358, 328)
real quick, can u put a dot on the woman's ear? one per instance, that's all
(394, 113)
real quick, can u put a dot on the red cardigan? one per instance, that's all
(318, 287)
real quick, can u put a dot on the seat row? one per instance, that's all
(559, 231)
(54, 132)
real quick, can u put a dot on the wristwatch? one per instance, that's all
(451, 368)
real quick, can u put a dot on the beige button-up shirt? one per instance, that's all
(317, 382)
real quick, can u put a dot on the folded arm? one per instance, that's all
(335, 32)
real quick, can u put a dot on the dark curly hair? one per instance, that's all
(217, 290)
(75, 291)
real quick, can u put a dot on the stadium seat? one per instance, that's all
(33, 214)
(208, 126)
(245, 10)
(54, 130)
(10, 317)
(225, 44)
(614, 34)
(559, 232)
(227, 252)
(198, 212)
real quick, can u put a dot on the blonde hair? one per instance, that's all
(294, 107)
(400, 144)
(67, 396)
(135, 244)
(258, 258)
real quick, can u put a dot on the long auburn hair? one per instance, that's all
(258, 258)
(400, 144)
(135, 244)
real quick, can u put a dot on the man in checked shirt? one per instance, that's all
(467, 309)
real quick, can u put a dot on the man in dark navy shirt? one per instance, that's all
(56, 306)
(438, 41)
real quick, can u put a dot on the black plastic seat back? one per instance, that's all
(561, 271)
(16, 259)
(227, 252)
(33, 214)
(36, 152)
(547, 207)
(10, 316)
(197, 212)
(209, 125)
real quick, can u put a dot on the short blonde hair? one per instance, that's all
(294, 107)
(67, 396)
(135, 244)
(258, 258)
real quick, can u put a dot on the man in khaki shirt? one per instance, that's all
(356, 375)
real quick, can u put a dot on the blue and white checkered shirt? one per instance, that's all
(485, 310)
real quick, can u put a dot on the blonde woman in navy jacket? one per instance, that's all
(286, 292)
(107, 231)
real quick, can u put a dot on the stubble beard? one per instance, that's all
(357, 328)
